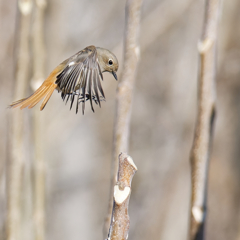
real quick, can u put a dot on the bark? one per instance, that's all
(39, 163)
(200, 152)
(17, 155)
(125, 89)
(120, 219)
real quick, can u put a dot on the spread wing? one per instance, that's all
(81, 78)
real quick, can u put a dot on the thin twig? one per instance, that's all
(120, 219)
(39, 163)
(200, 151)
(125, 90)
(17, 154)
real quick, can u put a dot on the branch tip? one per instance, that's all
(131, 162)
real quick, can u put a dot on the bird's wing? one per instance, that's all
(81, 78)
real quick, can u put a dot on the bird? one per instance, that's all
(78, 76)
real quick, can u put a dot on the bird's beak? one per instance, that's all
(114, 74)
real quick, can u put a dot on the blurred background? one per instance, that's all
(77, 149)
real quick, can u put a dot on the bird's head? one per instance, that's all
(107, 61)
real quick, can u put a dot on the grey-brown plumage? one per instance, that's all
(77, 77)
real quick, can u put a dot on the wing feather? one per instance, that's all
(90, 88)
(99, 84)
(95, 87)
(84, 90)
(82, 78)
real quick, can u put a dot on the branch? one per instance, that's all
(120, 219)
(39, 163)
(14, 176)
(200, 151)
(125, 89)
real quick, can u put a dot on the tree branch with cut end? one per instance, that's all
(120, 219)
(125, 89)
(200, 151)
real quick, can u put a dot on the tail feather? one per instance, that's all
(35, 98)
(49, 94)
(45, 90)
(40, 94)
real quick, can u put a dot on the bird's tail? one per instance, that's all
(44, 91)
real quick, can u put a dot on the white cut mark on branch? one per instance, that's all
(198, 214)
(120, 195)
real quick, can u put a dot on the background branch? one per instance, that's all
(125, 89)
(120, 219)
(39, 163)
(17, 155)
(200, 151)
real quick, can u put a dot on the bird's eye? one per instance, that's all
(110, 62)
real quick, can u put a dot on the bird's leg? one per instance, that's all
(81, 98)
(95, 99)
(87, 97)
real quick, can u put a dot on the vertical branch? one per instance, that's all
(120, 220)
(200, 151)
(39, 163)
(17, 154)
(125, 89)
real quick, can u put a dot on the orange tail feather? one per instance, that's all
(45, 90)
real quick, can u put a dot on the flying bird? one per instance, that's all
(77, 77)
